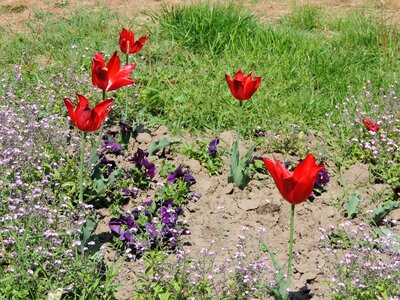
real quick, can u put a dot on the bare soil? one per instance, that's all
(224, 210)
(15, 13)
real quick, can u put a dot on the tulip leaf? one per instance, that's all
(240, 168)
(87, 230)
(94, 157)
(114, 175)
(351, 205)
(382, 211)
(391, 240)
(154, 147)
(280, 292)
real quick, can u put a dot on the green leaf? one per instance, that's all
(94, 157)
(281, 292)
(114, 175)
(394, 240)
(240, 168)
(351, 205)
(87, 229)
(154, 147)
(382, 211)
(99, 185)
(245, 162)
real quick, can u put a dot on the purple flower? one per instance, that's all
(129, 191)
(112, 146)
(139, 158)
(212, 147)
(180, 173)
(396, 191)
(322, 178)
(125, 128)
(151, 230)
(195, 197)
(122, 227)
(148, 203)
(259, 132)
(107, 165)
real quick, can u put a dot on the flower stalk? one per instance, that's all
(83, 146)
(126, 90)
(239, 129)
(291, 235)
(101, 126)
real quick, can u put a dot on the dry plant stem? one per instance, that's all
(289, 270)
(83, 146)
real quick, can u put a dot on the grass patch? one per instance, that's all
(307, 61)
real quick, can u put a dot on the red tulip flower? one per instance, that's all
(243, 87)
(127, 42)
(297, 186)
(371, 125)
(85, 118)
(110, 77)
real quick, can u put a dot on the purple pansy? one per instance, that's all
(322, 178)
(212, 147)
(153, 223)
(140, 160)
(180, 173)
(125, 128)
(107, 165)
(111, 146)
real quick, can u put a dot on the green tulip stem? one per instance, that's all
(101, 126)
(83, 142)
(126, 89)
(239, 122)
(289, 270)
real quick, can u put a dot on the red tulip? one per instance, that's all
(371, 125)
(85, 118)
(297, 186)
(127, 42)
(243, 87)
(109, 77)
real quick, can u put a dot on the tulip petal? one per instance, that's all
(70, 108)
(275, 172)
(113, 65)
(302, 189)
(138, 45)
(119, 83)
(99, 74)
(84, 119)
(103, 108)
(239, 76)
(82, 102)
(98, 57)
(307, 166)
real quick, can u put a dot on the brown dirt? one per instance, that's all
(15, 13)
(224, 210)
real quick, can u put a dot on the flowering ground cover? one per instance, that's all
(201, 154)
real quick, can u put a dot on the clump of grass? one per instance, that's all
(304, 18)
(210, 29)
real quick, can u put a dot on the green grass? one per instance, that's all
(305, 72)
(307, 61)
